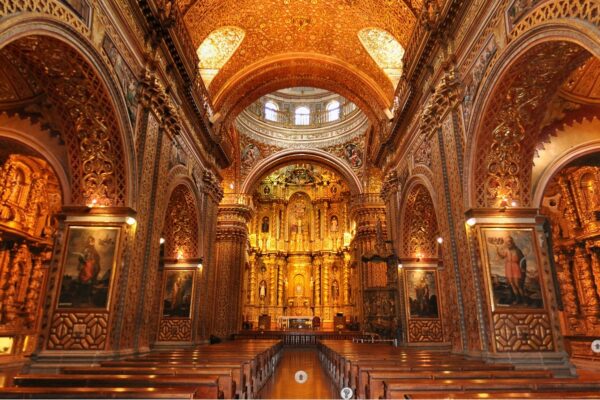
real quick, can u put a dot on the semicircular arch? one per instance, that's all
(289, 156)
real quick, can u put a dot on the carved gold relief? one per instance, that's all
(181, 229)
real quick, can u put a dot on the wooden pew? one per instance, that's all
(226, 381)
(206, 387)
(15, 392)
(398, 389)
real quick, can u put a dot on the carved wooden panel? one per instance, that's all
(175, 330)
(78, 331)
(181, 228)
(425, 331)
(523, 332)
(419, 225)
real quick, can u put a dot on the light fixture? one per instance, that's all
(231, 186)
(514, 203)
(179, 255)
(471, 221)
(93, 203)
(399, 266)
(200, 266)
(130, 221)
(504, 202)
(162, 240)
(440, 239)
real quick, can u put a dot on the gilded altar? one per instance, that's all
(299, 261)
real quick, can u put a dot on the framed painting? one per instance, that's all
(89, 261)
(422, 293)
(511, 263)
(177, 293)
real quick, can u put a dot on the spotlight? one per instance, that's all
(400, 266)
(200, 266)
(514, 203)
(440, 240)
(471, 221)
(231, 186)
(130, 221)
(162, 240)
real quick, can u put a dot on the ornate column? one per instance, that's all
(280, 277)
(585, 284)
(232, 235)
(252, 288)
(346, 278)
(568, 291)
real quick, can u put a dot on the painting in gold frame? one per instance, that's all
(89, 262)
(512, 265)
(422, 293)
(178, 290)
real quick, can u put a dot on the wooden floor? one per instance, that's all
(282, 384)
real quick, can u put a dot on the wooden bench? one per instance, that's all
(205, 387)
(226, 381)
(398, 389)
(97, 393)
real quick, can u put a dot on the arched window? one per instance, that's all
(333, 111)
(271, 111)
(302, 116)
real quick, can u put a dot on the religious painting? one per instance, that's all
(177, 294)
(250, 154)
(88, 266)
(512, 265)
(353, 154)
(126, 77)
(422, 293)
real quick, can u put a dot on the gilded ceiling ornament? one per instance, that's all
(217, 49)
(385, 50)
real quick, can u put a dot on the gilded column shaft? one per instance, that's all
(589, 296)
(280, 284)
(318, 284)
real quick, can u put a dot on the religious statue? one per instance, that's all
(264, 228)
(333, 226)
(262, 290)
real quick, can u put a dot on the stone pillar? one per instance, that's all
(232, 236)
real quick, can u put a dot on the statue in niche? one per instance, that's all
(333, 225)
(335, 290)
(265, 225)
(262, 290)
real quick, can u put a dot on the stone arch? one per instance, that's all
(509, 109)
(89, 112)
(568, 144)
(181, 222)
(34, 136)
(301, 69)
(419, 221)
(284, 157)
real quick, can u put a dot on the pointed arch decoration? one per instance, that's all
(181, 228)
(217, 49)
(385, 50)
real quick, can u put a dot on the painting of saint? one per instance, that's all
(126, 77)
(177, 294)
(353, 155)
(250, 154)
(88, 267)
(422, 294)
(513, 268)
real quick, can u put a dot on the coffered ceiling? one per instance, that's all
(307, 32)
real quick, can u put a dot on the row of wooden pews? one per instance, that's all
(235, 369)
(381, 371)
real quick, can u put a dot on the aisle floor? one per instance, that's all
(282, 385)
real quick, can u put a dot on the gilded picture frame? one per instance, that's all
(178, 293)
(421, 289)
(88, 266)
(511, 266)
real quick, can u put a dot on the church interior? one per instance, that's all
(300, 199)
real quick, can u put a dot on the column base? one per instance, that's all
(558, 363)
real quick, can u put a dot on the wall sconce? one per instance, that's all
(161, 240)
(231, 186)
(93, 203)
(514, 203)
(130, 221)
(471, 221)
(504, 202)
(200, 266)
(440, 239)
(400, 267)
(179, 255)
